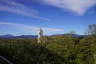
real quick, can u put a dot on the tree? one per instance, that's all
(92, 29)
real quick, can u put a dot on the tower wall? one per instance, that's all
(40, 35)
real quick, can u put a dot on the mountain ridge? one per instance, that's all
(35, 36)
(21, 36)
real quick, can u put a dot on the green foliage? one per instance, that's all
(55, 50)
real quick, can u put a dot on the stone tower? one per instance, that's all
(40, 35)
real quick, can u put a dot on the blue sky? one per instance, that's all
(24, 17)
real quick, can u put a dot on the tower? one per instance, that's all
(40, 35)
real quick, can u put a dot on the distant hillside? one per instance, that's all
(34, 36)
(22, 36)
(74, 35)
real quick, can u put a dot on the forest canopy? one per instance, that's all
(55, 50)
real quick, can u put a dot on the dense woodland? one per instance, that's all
(60, 49)
(55, 50)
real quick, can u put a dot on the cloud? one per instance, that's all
(4, 23)
(78, 6)
(20, 9)
(29, 28)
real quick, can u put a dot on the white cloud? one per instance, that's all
(29, 28)
(20, 9)
(78, 6)
(4, 23)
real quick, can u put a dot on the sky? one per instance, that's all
(25, 17)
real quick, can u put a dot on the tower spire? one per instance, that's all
(40, 35)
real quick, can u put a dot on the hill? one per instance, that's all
(21, 36)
